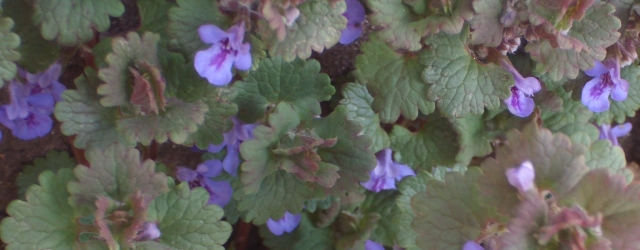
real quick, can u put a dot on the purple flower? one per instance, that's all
(355, 17)
(36, 123)
(45, 82)
(215, 62)
(287, 223)
(372, 245)
(149, 231)
(232, 139)
(522, 177)
(595, 94)
(612, 134)
(386, 172)
(219, 191)
(520, 103)
(471, 245)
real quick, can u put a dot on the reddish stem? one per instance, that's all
(242, 236)
(78, 153)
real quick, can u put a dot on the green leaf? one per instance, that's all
(45, 220)
(619, 111)
(115, 172)
(358, 103)
(394, 81)
(185, 20)
(82, 115)
(178, 121)
(36, 53)
(408, 187)
(9, 41)
(597, 30)
(459, 83)
(601, 154)
(573, 118)
(384, 204)
(186, 221)
(486, 25)
(182, 81)
(448, 214)
(435, 143)
(53, 161)
(472, 138)
(529, 217)
(279, 192)
(71, 22)
(559, 164)
(618, 203)
(126, 52)
(217, 119)
(275, 81)
(304, 237)
(351, 152)
(406, 21)
(154, 16)
(318, 26)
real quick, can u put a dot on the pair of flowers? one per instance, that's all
(28, 113)
(595, 94)
(229, 50)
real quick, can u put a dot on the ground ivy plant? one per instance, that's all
(459, 124)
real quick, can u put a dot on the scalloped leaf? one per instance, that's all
(71, 22)
(178, 121)
(435, 143)
(486, 25)
(187, 17)
(602, 154)
(298, 83)
(36, 53)
(186, 221)
(473, 139)
(459, 83)
(619, 111)
(394, 81)
(448, 214)
(304, 237)
(82, 115)
(597, 30)
(408, 187)
(384, 204)
(351, 153)
(406, 21)
(618, 203)
(183, 82)
(154, 16)
(116, 172)
(217, 120)
(529, 216)
(573, 117)
(358, 103)
(318, 26)
(126, 52)
(9, 42)
(53, 161)
(559, 164)
(45, 220)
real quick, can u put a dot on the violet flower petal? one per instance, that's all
(243, 59)
(621, 130)
(210, 168)
(597, 70)
(522, 177)
(36, 124)
(519, 104)
(350, 34)
(386, 172)
(471, 245)
(220, 192)
(211, 34)
(595, 95)
(186, 174)
(287, 223)
(215, 65)
(231, 161)
(372, 245)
